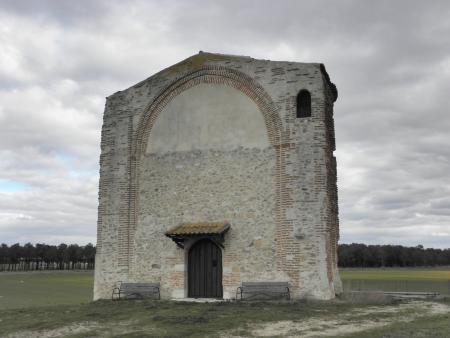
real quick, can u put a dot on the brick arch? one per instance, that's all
(209, 74)
(215, 75)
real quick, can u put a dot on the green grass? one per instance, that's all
(20, 290)
(434, 274)
(164, 318)
(180, 319)
(52, 300)
(27, 289)
(391, 279)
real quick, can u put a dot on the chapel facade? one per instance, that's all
(216, 171)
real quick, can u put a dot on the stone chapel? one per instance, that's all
(216, 171)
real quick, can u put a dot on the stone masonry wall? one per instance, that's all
(301, 215)
(236, 186)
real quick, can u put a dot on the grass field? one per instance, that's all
(25, 289)
(435, 274)
(418, 280)
(228, 320)
(57, 304)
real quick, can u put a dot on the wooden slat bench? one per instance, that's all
(129, 290)
(251, 290)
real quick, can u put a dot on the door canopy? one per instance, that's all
(214, 231)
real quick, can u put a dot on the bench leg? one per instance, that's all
(116, 293)
(238, 291)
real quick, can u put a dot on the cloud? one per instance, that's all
(390, 61)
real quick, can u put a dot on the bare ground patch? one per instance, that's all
(76, 328)
(354, 321)
(85, 329)
(226, 320)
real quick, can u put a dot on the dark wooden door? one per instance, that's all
(205, 270)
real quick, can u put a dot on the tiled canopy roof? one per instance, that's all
(187, 229)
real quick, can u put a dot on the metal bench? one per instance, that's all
(135, 291)
(264, 290)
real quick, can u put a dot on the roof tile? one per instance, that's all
(206, 228)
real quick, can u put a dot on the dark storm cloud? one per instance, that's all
(390, 61)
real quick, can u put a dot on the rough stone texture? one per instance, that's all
(216, 138)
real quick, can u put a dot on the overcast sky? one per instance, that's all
(389, 59)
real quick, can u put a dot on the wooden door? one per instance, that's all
(205, 270)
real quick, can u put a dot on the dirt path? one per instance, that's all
(346, 323)
(101, 330)
(77, 328)
(320, 325)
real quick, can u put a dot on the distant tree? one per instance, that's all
(74, 256)
(4, 253)
(62, 255)
(44, 256)
(361, 255)
(28, 254)
(72, 253)
(14, 254)
(51, 255)
(89, 254)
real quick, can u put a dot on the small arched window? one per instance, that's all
(303, 104)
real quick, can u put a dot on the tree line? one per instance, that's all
(374, 256)
(46, 257)
(68, 257)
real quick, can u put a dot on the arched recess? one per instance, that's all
(208, 74)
